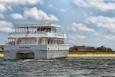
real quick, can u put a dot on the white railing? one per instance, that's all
(40, 34)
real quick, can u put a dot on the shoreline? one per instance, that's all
(83, 55)
(91, 54)
(1, 55)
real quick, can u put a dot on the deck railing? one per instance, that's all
(40, 34)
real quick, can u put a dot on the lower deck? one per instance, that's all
(35, 51)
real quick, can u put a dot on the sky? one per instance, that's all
(86, 22)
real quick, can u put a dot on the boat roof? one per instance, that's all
(37, 25)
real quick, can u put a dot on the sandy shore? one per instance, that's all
(82, 55)
(1, 55)
(91, 55)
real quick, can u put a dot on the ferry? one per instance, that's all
(36, 41)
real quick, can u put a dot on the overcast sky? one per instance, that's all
(86, 22)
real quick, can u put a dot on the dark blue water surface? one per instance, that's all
(68, 67)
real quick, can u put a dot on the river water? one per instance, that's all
(68, 67)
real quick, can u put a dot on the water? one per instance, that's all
(69, 67)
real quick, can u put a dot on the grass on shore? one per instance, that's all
(91, 54)
(1, 55)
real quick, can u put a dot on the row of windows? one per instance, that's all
(53, 41)
(40, 41)
(35, 30)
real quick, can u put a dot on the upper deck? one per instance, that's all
(37, 30)
(37, 25)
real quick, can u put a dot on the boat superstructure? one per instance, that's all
(36, 41)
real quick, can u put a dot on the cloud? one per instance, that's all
(77, 37)
(52, 17)
(2, 8)
(72, 39)
(34, 13)
(103, 22)
(110, 37)
(6, 26)
(38, 14)
(81, 28)
(16, 16)
(103, 5)
(81, 3)
(18, 2)
(6, 4)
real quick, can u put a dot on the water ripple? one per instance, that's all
(69, 67)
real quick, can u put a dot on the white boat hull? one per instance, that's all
(35, 51)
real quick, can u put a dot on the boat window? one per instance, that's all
(55, 41)
(46, 29)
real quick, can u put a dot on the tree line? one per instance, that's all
(86, 48)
